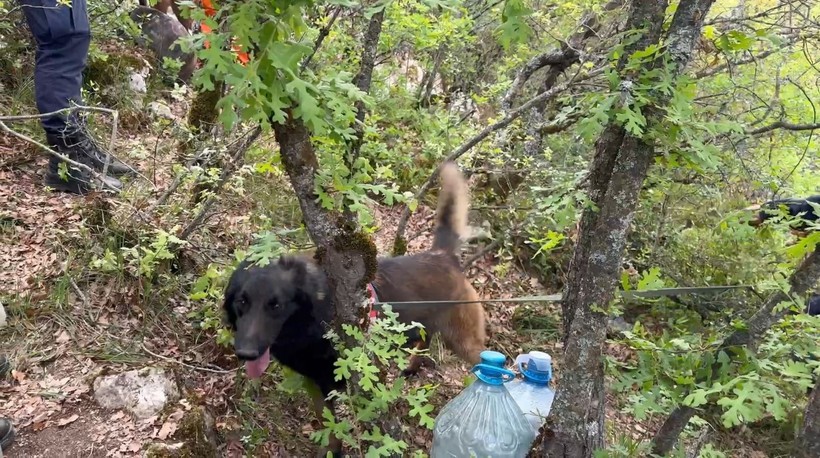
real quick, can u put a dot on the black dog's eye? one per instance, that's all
(240, 305)
(273, 303)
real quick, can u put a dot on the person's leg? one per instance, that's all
(63, 36)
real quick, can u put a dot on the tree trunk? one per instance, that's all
(617, 173)
(803, 279)
(808, 441)
(363, 80)
(347, 256)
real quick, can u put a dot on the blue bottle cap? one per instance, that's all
(493, 358)
(491, 369)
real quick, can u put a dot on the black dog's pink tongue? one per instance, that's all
(257, 367)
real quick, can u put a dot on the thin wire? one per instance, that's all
(663, 292)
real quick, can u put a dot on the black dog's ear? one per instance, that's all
(230, 315)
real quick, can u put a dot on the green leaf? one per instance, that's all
(743, 408)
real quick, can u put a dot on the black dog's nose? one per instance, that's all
(246, 354)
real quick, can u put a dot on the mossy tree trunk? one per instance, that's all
(346, 254)
(808, 441)
(616, 176)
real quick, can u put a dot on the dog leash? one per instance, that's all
(653, 293)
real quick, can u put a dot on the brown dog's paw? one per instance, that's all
(416, 363)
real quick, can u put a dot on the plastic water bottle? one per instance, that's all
(483, 420)
(532, 392)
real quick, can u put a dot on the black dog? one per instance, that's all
(813, 305)
(282, 310)
(798, 209)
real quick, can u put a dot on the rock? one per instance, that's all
(2, 316)
(616, 326)
(161, 110)
(136, 81)
(143, 393)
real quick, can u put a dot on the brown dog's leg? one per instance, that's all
(465, 332)
(416, 361)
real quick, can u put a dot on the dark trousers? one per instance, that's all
(62, 35)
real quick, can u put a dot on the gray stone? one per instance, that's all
(161, 110)
(143, 393)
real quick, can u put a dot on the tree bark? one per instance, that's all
(569, 54)
(808, 440)
(399, 242)
(347, 256)
(803, 279)
(363, 80)
(617, 173)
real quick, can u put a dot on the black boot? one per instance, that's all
(87, 146)
(70, 178)
(6, 433)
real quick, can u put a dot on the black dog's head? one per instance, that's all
(260, 300)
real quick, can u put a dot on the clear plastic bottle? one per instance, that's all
(532, 392)
(483, 420)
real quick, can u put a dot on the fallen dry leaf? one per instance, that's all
(168, 428)
(65, 421)
(63, 337)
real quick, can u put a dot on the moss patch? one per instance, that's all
(203, 112)
(359, 242)
(194, 432)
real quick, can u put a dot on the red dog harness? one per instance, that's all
(371, 290)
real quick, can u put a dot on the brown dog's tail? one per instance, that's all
(451, 215)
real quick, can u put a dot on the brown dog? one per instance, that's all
(436, 275)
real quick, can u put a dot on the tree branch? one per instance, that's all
(560, 60)
(323, 33)
(563, 59)
(710, 71)
(466, 146)
(782, 125)
(62, 157)
(236, 157)
(363, 80)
